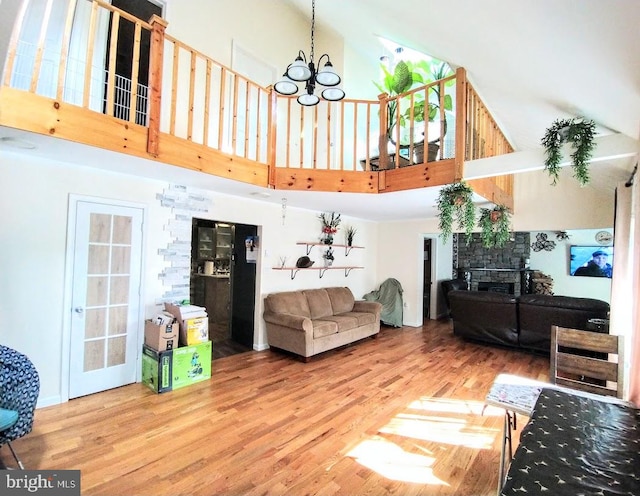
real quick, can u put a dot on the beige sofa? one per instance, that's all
(308, 322)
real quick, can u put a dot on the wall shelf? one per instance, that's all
(310, 244)
(321, 270)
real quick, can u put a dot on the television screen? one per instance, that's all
(591, 261)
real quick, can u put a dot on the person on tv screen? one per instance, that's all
(598, 266)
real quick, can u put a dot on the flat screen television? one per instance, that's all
(591, 261)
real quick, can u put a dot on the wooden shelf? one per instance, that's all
(310, 244)
(321, 270)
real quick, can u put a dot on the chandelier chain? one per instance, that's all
(313, 26)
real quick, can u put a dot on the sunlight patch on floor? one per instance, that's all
(391, 461)
(463, 407)
(453, 431)
(434, 426)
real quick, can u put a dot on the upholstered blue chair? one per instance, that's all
(19, 389)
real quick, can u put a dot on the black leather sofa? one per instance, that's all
(524, 321)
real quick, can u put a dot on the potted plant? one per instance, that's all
(328, 257)
(407, 75)
(394, 84)
(495, 226)
(349, 235)
(456, 200)
(427, 111)
(580, 133)
(330, 225)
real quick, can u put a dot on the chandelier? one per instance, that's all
(301, 70)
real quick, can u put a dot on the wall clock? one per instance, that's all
(604, 237)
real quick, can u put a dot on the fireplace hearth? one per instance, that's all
(497, 287)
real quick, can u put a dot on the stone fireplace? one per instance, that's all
(502, 270)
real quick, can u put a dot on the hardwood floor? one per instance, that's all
(400, 415)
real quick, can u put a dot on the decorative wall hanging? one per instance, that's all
(562, 235)
(542, 243)
(580, 133)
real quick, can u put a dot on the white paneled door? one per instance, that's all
(105, 301)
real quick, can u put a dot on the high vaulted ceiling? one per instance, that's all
(531, 61)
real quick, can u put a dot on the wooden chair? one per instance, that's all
(579, 360)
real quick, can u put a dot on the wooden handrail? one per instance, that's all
(205, 103)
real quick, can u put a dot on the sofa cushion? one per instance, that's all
(319, 303)
(362, 317)
(344, 322)
(537, 313)
(322, 328)
(342, 300)
(292, 302)
(485, 316)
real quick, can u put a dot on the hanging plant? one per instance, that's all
(495, 226)
(456, 201)
(580, 134)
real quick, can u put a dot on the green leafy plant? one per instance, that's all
(580, 133)
(455, 201)
(350, 234)
(426, 72)
(495, 226)
(405, 76)
(396, 83)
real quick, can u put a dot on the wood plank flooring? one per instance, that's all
(398, 415)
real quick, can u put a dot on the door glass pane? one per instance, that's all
(120, 259)
(98, 259)
(118, 320)
(121, 230)
(100, 228)
(117, 351)
(95, 323)
(119, 290)
(93, 355)
(96, 291)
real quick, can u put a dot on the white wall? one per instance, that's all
(33, 240)
(555, 263)
(539, 205)
(271, 31)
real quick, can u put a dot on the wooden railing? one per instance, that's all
(171, 93)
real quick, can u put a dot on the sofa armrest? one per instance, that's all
(374, 307)
(289, 320)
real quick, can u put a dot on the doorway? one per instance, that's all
(426, 284)
(124, 59)
(223, 281)
(105, 311)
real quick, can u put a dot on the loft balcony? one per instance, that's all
(99, 76)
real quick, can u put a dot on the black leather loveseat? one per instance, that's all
(523, 321)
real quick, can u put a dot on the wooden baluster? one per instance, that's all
(135, 69)
(461, 112)
(192, 89)
(158, 27)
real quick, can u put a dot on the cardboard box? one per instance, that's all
(191, 364)
(193, 321)
(157, 369)
(161, 337)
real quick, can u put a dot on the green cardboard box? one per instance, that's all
(191, 364)
(157, 369)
